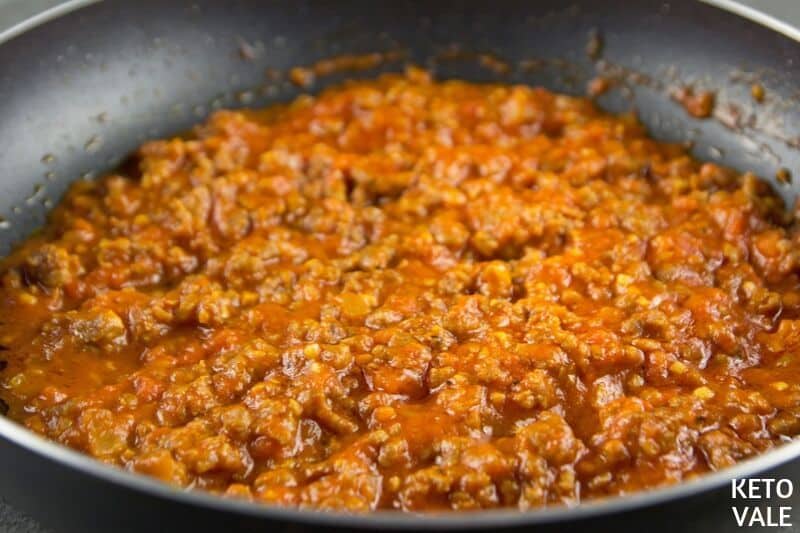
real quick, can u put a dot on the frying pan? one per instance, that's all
(85, 83)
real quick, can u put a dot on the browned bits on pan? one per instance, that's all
(594, 46)
(247, 51)
(3, 365)
(495, 64)
(273, 74)
(414, 295)
(783, 175)
(352, 62)
(3, 408)
(94, 144)
(729, 115)
(757, 92)
(302, 77)
(598, 86)
(699, 104)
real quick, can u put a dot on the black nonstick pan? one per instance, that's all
(84, 84)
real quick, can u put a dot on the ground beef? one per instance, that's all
(411, 295)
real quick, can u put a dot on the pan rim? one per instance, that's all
(397, 520)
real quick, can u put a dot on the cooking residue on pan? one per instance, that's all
(594, 47)
(414, 295)
(757, 92)
(766, 119)
(455, 52)
(783, 175)
(495, 64)
(598, 86)
(305, 76)
(698, 103)
(250, 51)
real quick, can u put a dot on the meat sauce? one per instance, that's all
(415, 295)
